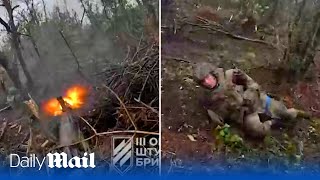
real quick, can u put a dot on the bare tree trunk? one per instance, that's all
(296, 23)
(151, 22)
(15, 42)
(45, 10)
(33, 21)
(32, 11)
(92, 19)
(302, 43)
(309, 51)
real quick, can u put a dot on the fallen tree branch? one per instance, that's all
(92, 128)
(147, 106)
(208, 22)
(209, 26)
(314, 110)
(5, 108)
(177, 59)
(123, 105)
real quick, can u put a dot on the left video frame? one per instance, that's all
(79, 87)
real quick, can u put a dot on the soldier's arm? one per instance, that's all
(241, 78)
(215, 118)
(251, 84)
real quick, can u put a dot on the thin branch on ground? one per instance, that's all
(123, 105)
(145, 82)
(147, 106)
(92, 128)
(177, 59)
(5, 108)
(138, 48)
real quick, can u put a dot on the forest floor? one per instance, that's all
(188, 141)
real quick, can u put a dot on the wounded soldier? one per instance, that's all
(238, 98)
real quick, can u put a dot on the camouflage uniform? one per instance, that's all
(231, 100)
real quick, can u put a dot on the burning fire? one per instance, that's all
(75, 97)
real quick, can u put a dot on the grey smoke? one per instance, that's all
(56, 69)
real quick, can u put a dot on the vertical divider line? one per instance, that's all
(160, 124)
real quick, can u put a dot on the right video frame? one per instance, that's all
(240, 86)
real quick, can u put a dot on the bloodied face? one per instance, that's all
(210, 81)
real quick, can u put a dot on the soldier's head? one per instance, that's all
(206, 76)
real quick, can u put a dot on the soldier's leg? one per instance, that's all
(279, 110)
(254, 127)
(215, 118)
(292, 114)
(295, 113)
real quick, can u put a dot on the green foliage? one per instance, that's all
(262, 6)
(257, 7)
(117, 16)
(224, 137)
(277, 153)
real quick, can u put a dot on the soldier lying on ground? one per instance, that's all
(226, 102)
(237, 97)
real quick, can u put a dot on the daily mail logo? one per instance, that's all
(122, 153)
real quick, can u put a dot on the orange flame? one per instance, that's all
(75, 98)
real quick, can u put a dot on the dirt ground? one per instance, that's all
(182, 112)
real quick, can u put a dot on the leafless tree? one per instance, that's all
(15, 38)
(303, 38)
